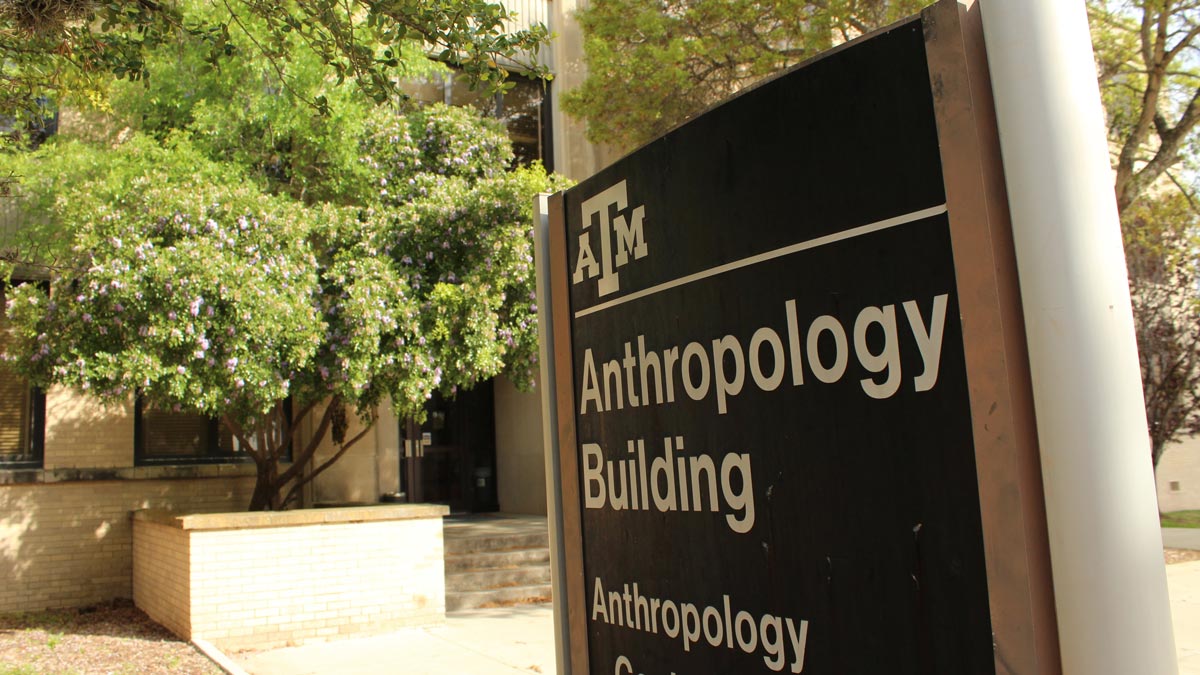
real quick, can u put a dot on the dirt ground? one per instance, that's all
(112, 639)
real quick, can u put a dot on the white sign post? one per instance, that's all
(1105, 544)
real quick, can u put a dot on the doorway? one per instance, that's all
(451, 458)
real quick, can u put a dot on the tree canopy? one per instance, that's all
(55, 48)
(652, 66)
(216, 245)
(1146, 54)
(1162, 249)
(188, 285)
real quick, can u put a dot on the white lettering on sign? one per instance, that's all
(624, 666)
(620, 238)
(781, 640)
(718, 367)
(670, 482)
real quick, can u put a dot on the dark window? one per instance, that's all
(22, 410)
(177, 437)
(524, 110)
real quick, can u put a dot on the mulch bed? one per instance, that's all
(1179, 555)
(110, 639)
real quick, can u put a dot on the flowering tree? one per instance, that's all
(55, 48)
(1162, 250)
(189, 286)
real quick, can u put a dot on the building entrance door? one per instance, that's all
(451, 458)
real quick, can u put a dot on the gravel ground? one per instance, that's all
(112, 639)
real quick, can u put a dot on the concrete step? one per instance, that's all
(497, 597)
(491, 579)
(486, 560)
(490, 543)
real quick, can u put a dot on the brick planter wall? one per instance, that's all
(262, 580)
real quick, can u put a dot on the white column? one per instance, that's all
(1105, 544)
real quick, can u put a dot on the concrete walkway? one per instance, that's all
(499, 641)
(1183, 583)
(1181, 537)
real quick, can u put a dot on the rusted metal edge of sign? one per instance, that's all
(564, 400)
(1012, 503)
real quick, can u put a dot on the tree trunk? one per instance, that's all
(275, 491)
(265, 492)
(1157, 447)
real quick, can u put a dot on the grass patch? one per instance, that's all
(1181, 519)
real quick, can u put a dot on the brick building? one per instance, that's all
(73, 470)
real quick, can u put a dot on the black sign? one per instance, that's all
(776, 465)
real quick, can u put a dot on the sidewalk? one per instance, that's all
(499, 641)
(1181, 537)
(1183, 583)
(510, 640)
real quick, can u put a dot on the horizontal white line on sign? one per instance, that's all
(769, 255)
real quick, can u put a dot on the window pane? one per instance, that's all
(522, 115)
(174, 434)
(14, 417)
(230, 445)
(519, 109)
(14, 403)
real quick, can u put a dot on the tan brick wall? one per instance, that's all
(162, 574)
(1178, 476)
(83, 433)
(70, 544)
(269, 587)
(354, 477)
(520, 452)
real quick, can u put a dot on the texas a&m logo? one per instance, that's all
(621, 237)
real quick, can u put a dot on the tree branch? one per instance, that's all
(299, 461)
